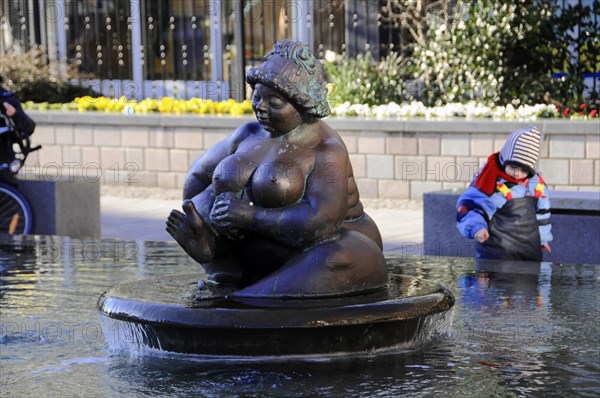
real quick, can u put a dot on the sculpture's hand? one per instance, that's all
(230, 212)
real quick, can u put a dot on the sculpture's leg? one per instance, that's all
(226, 269)
(351, 264)
(199, 241)
(366, 226)
(192, 233)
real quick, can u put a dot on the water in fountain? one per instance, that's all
(509, 335)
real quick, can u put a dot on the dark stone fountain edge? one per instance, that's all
(305, 328)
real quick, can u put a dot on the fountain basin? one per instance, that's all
(163, 313)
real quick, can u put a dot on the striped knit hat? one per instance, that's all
(522, 148)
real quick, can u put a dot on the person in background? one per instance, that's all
(506, 209)
(10, 107)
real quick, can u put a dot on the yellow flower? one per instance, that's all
(165, 105)
(193, 105)
(247, 106)
(102, 103)
(237, 110)
(83, 105)
(211, 107)
(204, 107)
(153, 104)
(178, 107)
(120, 104)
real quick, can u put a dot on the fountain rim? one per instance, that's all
(236, 313)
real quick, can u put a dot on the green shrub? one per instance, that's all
(32, 78)
(364, 81)
(506, 52)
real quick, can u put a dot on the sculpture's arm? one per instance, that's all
(316, 217)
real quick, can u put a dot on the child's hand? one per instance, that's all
(482, 235)
(546, 247)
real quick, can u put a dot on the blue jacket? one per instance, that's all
(481, 207)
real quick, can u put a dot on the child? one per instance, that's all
(506, 209)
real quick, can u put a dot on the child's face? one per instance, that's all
(515, 172)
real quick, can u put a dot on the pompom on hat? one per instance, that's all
(293, 70)
(522, 148)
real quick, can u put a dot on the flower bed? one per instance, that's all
(168, 105)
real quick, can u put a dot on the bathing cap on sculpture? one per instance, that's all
(274, 208)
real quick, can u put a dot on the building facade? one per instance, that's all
(202, 48)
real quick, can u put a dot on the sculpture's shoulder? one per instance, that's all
(242, 133)
(247, 129)
(330, 139)
(229, 144)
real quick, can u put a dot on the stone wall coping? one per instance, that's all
(575, 229)
(575, 200)
(367, 125)
(563, 200)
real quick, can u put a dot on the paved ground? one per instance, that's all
(140, 214)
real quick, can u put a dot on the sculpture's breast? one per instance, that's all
(278, 184)
(233, 172)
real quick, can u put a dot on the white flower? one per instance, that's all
(330, 56)
(393, 109)
(472, 109)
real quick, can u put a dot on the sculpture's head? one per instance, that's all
(293, 70)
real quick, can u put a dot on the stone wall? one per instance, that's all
(395, 159)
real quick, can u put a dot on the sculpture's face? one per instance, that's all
(274, 112)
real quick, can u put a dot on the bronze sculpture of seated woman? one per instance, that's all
(274, 209)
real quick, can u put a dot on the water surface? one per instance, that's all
(533, 333)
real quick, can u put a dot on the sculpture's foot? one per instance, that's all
(192, 233)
